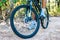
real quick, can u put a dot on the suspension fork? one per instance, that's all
(28, 10)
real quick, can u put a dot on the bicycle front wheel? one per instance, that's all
(18, 24)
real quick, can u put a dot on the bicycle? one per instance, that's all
(22, 16)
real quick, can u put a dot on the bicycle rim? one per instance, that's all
(18, 25)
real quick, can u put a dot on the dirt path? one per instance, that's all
(51, 33)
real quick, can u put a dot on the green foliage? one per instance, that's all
(58, 9)
(3, 1)
(14, 1)
(23, 1)
(55, 12)
(4, 7)
(0, 3)
(52, 13)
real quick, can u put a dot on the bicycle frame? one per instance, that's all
(41, 13)
(25, 19)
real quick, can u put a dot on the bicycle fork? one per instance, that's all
(28, 12)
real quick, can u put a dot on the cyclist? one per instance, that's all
(33, 22)
(43, 7)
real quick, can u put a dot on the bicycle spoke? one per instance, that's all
(21, 25)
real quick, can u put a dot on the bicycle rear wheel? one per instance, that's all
(45, 21)
(18, 24)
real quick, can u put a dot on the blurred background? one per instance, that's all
(6, 6)
(51, 33)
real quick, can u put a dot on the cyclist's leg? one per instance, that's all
(43, 8)
(45, 15)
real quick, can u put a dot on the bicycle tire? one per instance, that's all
(13, 26)
(42, 22)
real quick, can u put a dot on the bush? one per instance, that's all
(55, 12)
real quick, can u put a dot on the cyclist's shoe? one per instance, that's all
(32, 25)
(43, 13)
